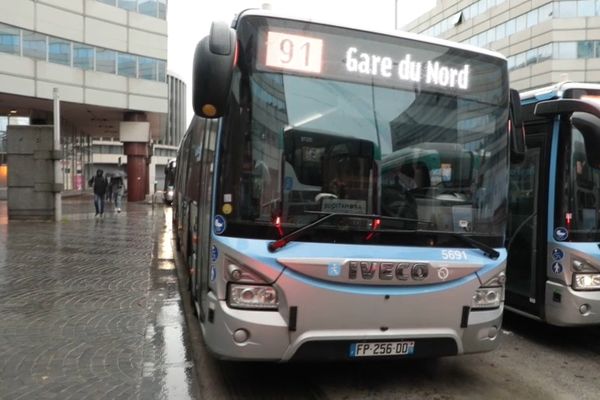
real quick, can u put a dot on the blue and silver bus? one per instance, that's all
(554, 226)
(334, 181)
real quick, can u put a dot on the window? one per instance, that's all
(162, 71)
(129, 5)
(585, 49)
(510, 27)
(457, 18)
(566, 50)
(148, 7)
(83, 56)
(147, 68)
(106, 61)
(127, 65)
(491, 35)
(34, 45)
(10, 40)
(520, 60)
(531, 56)
(545, 12)
(566, 9)
(109, 2)
(482, 6)
(521, 23)
(545, 52)
(585, 8)
(532, 18)
(511, 63)
(59, 51)
(162, 9)
(500, 31)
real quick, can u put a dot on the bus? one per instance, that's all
(169, 186)
(327, 192)
(553, 271)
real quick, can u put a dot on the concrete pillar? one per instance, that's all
(135, 135)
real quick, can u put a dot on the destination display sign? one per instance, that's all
(327, 55)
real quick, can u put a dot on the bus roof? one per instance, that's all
(399, 34)
(555, 91)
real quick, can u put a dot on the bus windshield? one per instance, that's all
(578, 207)
(300, 142)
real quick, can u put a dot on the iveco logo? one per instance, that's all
(387, 270)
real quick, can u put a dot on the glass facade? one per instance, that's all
(152, 8)
(25, 43)
(567, 50)
(471, 11)
(558, 50)
(551, 10)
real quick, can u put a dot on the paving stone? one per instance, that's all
(87, 307)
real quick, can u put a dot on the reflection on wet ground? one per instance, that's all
(90, 308)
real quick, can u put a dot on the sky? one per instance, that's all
(190, 20)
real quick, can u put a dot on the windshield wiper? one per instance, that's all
(487, 250)
(279, 243)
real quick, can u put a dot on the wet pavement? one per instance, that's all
(90, 308)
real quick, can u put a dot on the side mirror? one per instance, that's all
(589, 126)
(516, 129)
(214, 60)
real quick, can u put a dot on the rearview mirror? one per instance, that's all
(589, 126)
(214, 60)
(516, 129)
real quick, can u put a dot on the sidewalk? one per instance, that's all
(90, 308)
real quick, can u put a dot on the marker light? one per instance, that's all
(209, 110)
(586, 281)
(578, 265)
(277, 223)
(252, 297)
(240, 273)
(374, 226)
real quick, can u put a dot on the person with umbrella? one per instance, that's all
(116, 183)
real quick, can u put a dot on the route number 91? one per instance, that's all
(454, 255)
(294, 52)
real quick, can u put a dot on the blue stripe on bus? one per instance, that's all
(257, 249)
(590, 249)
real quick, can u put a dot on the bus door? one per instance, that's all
(527, 224)
(203, 261)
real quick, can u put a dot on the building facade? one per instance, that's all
(107, 58)
(544, 41)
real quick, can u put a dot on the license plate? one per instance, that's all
(382, 349)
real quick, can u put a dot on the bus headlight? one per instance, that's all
(586, 281)
(487, 297)
(491, 293)
(259, 297)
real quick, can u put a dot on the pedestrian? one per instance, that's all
(116, 184)
(99, 184)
